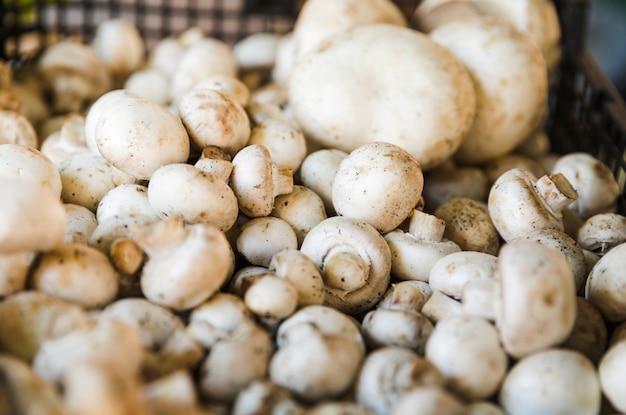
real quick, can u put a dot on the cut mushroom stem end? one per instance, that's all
(556, 190)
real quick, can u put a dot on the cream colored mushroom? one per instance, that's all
(511, 84)
(519, 203)
(551, 381)
(29, 318)
(149, 83)
(213, 118)
(447, 181)
(216, 161)
(379, 183)
(328, 79)
(452, 273)
(302, 208)
(255, 55)
(32, 217)
(171, 395)
(594, 182)
(389, 373)
(227, 84)
(495, 167)
(184, 191)
(590, 333)
(354, 259)
(428, 401)
(257, 181)
(261, 238)
(265, 396)
(29, 163)
(120, 46)
(467, 351)
(605, 287)
(601, 232)
(126, 200)
(185, 265)
(469, 225)
(67, 141)
(440, 306)
(297, 268)
(610, 370)
(14, 268)
(317, 171)
(285, 142)
(17, 129)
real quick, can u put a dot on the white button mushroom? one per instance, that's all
(440, 306)
(379, 183)
(264, 396)
(303, 209)
(32, 217)
(261, 238)
(610, 371)
(428, 401)
(590, 333)
(184, 191)
(270, 297)
(452, 273)
(67, 141)
(468, 353)
(212, 118)
(317, 171)
(285, 141)
(185, 265)
(601, 232)
(15, 128)
(302, 273)
(29, 163)
(605, 287)
(257, 181)
(216, 161)
(229, 85)
(439, 103)
(389, 373)
(151, 84)
(14, 269)
(354, 259)
(551, 381)
(511, 84)
(519, 202)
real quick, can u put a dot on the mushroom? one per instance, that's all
(447, 181)
(126, 200)
(67, 141)
(14, 268)
(594, 182)
(120, 47)
(213, 118)
(511, 83)
(76, 272)
(257, 181)
(590, 333)
(537, 308)
(483, 408)
(149, 83)
(15, 128)
(379, 183)
(185, 265)
(171, 395)
(317, 171)
(29, 163)
(74, 75)
(519, 203)
(354, 260)
(285, 141)
(166, 54)
(452, 273)
(414, 253)
(389, 373)
(261, 238)
(232, 86)
(264, 396)
(605, 287)
(302, 208)
(185, 191)
(32, 217)
(255, 55)
(428, 401)
(442, 94)
(297, 268)
(551, 381)
(28, 318)
(467, 351)
(216, 161)
(610, 371)
(138, 136)
(26, 393)
(270, 297)
(440, 306)
(469, 225)
(167, 345)
(601, 232)
(337, 355)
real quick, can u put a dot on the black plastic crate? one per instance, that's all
(586, 112)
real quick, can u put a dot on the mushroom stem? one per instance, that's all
(556, 190)
(162, 237)
(282, 177)
(426, 227)
(345, 269)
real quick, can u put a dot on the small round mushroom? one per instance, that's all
(32, 217)
(216, 161)
(29, 163)
(396, 327)
(15, 128)
(120, 47)
(428, 401)
(185, 265)
(257, 181)
(519, 202)
(255, 55)
(149, 83)
(125, 200)
(294, 266)
(452, 273)
(317, 171)
(601, 232)
(185, 191)
(469, 225)
(76, 272)
(440, 306)
(379, 183)
(610, 371)
(447, 181)
(283, 139)
(354, 259)
(261, 238)
(171, 395)
(14, 269)
(414, 253)
(605, 287)
(389, 373)
(593, 180)
(67, 141)
(271, 297)
(495, 167)
(551, 381)
(213, 118)
(264, 396)
(590, 333)
(229, 85)
(537, 298)
(302, 208)
(467, 351)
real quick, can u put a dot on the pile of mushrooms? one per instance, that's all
(360, 216)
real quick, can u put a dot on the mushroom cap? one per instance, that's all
(611, 371)
(511, 84)
(342, 105)
(285, 142)
(601, 232)
(29, 163)
(317, 171)
(551, 381)
(302, 209)
(300, 271)
(379, 183)
(606, 285)
(126, 199)
(262, 238)
(257, 50)
(537, 297)
(451, 273)
(15, 128)
(428, 401)
(119, 45)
